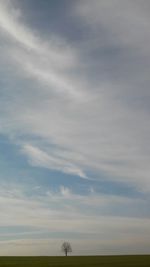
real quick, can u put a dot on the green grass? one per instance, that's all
(72, 261)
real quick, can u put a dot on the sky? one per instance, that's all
(74, 126)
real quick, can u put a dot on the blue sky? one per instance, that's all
(74, 126)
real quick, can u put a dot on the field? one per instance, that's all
(72, 261)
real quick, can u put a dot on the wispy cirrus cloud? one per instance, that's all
(54, 161)
(106, 133)
(79, 105)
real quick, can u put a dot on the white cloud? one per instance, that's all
(38, 157)
(123, 234)
(91, 125)
(74, 111)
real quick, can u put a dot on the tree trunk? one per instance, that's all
(66, 252)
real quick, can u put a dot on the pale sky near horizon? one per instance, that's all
(74, 126)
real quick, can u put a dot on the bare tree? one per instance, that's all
(66, 247)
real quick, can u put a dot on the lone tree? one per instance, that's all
(66, 247)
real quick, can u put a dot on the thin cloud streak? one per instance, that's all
(38, 157)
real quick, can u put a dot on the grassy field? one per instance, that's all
(84, 261)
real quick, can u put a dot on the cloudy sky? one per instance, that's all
(74, 126)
